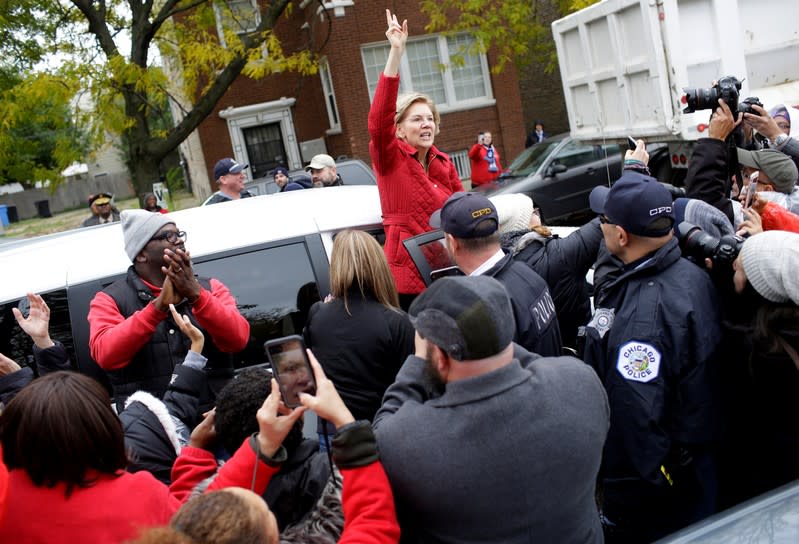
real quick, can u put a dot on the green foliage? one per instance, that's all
(513, 28)
(40, 132)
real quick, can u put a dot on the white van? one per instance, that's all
(272, 252)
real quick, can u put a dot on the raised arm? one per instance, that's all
(397, 35)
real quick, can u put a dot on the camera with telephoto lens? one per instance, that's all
(707, 99)
(697, 245)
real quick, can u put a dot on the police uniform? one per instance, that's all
(653, 341)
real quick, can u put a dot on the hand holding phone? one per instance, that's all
(631, 143)
(291, 368)
(751, 189)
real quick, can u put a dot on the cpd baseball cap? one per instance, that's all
(100, 198)
(228, 166)
(463, 213)
(634, 202)
(778, 166)
(469, 317)
(321, 161)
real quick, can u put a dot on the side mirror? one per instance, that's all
(556, 168)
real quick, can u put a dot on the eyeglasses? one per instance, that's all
(605, 221)
(171, 236)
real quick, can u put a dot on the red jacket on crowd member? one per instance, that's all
(114, 340)
(117, 507)
(775, 217)
(480, 166)
(408, 194)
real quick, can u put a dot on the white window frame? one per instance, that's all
(333, 116)
(451, 104)
(220, 19)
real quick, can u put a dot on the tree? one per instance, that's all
(513, 27)
(131, 92)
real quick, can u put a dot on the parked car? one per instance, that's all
(272, 252)
(559, 173)
(352, 172)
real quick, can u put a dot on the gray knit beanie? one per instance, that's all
(138, 227)
(514, 211)
(771, 261)
(709, 218)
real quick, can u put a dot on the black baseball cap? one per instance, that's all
(634, 202)
(469, 317)
(462, 213)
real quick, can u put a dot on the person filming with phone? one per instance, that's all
(485, 160)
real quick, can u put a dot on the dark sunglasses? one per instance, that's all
(171, 236)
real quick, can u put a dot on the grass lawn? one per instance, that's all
(28, 228)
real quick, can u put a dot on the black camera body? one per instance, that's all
(697, 245)
(746, 105)
(706, 99)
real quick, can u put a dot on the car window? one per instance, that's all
(576, 153)
(17, 345)
(274, 287)
(355, 173)
(530, 160)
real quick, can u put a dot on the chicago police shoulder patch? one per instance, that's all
(638, 361)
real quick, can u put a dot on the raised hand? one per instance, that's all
(275, 421)
(397, 34)
(326, 403)
(204, 435)
(723, 121)
(167, 296)
(37, 324)
(187, 327)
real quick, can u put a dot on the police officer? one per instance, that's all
(653, 342)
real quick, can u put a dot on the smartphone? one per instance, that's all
(631, 143)
(751, 189)
(443, 272)
(291, 368)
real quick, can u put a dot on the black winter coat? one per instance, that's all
(563, 263)
(360, 351)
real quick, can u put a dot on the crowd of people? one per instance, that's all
(513, 402)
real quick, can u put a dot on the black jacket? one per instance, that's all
(707, 178)
(361, 352)
(154, 430)
(563, 264)
(653, 341)
(46, 360)
(537, 327)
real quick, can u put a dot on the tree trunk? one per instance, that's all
(144, 170)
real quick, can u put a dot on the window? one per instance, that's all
(459, 86)
(239, 16)
(576, 153)
(274, 288)
(330, 97)
(265, 149)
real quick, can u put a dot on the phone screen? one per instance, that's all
(631, 143)
(751, 189)
(291, 368)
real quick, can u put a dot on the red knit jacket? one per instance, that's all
(775, 217)
(408, 194)
(118, 506)
(480, 173)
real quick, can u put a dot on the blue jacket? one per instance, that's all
(653, 342)
(537, 328)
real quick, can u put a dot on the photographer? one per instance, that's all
(709, 177)
(777, 128)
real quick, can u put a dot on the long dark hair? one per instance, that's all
(61, 429)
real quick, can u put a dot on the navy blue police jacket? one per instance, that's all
(653, 341)
(537, 328)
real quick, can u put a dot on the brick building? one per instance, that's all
(286, 118)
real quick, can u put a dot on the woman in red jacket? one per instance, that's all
(413, 177)
(64, 448)
(485, 160)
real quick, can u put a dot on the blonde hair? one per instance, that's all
(405, 101)
(357, 260)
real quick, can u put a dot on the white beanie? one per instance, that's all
(138, 227)
(514, 211)
(771, 262)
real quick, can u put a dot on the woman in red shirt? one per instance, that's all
(485, 160)
(413, 177)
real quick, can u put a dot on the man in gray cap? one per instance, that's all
(323, 171)
(777, 176)
(482, 440)
(131, 333)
